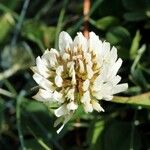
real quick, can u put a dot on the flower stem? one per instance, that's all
(20, 22)
(86, 9)
(78, 141)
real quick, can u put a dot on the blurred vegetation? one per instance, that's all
(27, 28)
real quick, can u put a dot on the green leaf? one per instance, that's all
(123, 52)
(12, 55)
(95, 130)
(48, 36)
(6, 24)
(32, 144)
(32, 31)
(40, 142)
(138, 57)
(134, 90)
(39, 122)
(107, 8)
(136, 4)
(106, 22)
(39, 33)
(34, 106)
(14, 63)
(99, 126)
(135, 16)
(139, 79)
(136, 71)
(135, 45)
(60, 22)
(115, 135)
(148, 13)
(10, 4)
(118, 36)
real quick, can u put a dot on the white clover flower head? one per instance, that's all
(82, 72)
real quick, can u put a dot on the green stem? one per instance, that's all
(7, 93)
(139, 100)
(18, 117)
(9, 72)
(20, 22)
(59, 24)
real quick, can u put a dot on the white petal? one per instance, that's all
(89, 71)
(88, 107)
(80, 41)
(43, 82)
(59, 130)
(50, 58)
(41, 67)
(59, 70)
(105, 91)
(87, 57)
(58, 121)
(57, 96)
(95, 44)
(70, 66)
(66, 119)
(62, 110)
(115, 68)
(101, 78)
(86, 97)
(54, 52)
(53, 58)
(45, 57)
(73, 81)
(98, 83)
(70, 94)
(97, 94)
(120, 88)
(86, 85)
(81, 66)
(49, 73)
(116, 80)
(58, 81)
(105, 49)
(108, 97)
(97, 106)
(65, 41)
(43, 95)
(66, 56)
(38, 98)
(113, 54)
(72, 106)
(34, 69)
(72, 73)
